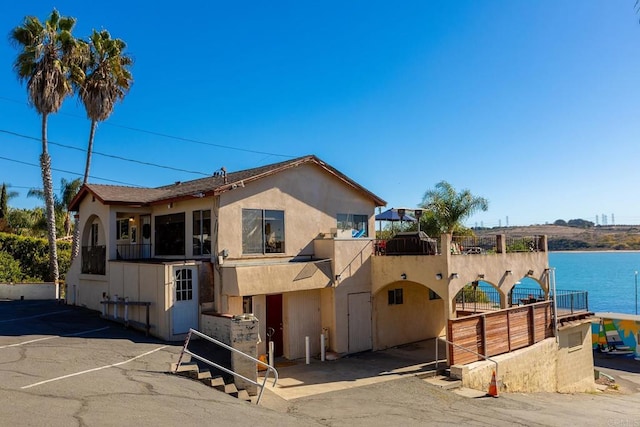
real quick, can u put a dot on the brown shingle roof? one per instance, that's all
(114, 194)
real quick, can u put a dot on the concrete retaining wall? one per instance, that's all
(566, 367)
(30, 291)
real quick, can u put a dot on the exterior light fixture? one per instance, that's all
(508, 272)
(454, 275)
(403, 276)
(418, 214)
(337, 277)
(439, 276)
(480, 276)
(530, 273)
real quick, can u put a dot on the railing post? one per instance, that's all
(184, 347)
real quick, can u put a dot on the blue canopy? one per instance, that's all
(392, 215)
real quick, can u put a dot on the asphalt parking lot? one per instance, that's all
(62, 365)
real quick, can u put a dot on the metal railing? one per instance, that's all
(444, 338)
(478, 297)
(94, 259)
(222, 368)
(473, 245)
(134, 251)
(524, 244)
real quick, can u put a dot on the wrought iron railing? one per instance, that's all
(524, 244)
(134, 251)
(94, 259)
(473, 245)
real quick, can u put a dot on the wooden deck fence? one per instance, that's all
(499, 332)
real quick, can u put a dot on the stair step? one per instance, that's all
(200, 375)
(217, 383)
(185, 367)
(231, 390)
(244, 395)
(444, 382)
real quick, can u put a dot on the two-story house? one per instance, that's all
(267, 241)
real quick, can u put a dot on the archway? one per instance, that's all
(406, 312)
(478, 296)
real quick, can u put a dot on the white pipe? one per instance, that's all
(555, 304)
(307, 350)
(104, 307)
(322, 349)
(126, 309)
(271, 351)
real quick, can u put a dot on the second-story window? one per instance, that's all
(122, 229)
(358, 224)
(262, 231)
(202, 232)
(170, 234)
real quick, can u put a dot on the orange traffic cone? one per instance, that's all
(493, 387)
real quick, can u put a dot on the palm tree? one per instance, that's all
(450, 207)
(107, 80)
(45, 64)
(68, 190)
(5, 196)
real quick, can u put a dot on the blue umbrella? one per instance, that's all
(392, 215)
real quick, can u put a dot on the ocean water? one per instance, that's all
(609, 277)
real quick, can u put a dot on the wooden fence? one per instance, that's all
(499, 332)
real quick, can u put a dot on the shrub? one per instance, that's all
(9, 269)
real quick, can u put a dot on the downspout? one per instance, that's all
(217, 277)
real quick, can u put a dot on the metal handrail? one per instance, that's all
(465, 349)
(222, 368)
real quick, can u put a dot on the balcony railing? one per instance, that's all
(135, 251)
(524, 244)
(94, 259)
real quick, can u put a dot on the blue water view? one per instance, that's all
(609, 277)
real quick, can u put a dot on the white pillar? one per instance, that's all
(307, 350)
(322, 349)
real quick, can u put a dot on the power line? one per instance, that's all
(113, 156)
(164, 135)
(69, 172)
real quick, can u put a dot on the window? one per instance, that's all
(122, 229)
(170, 235)
(358, 223)
(262, 231)
(202, 232)
(94, 234)
(395, 296)
(184, 284)
(247, 304)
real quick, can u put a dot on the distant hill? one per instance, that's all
(564, 238)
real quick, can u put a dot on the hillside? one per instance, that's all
(614, 237)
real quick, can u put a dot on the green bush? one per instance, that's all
(9, 269)
(32, 254)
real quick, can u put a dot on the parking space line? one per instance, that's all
(55, 336)
(113, 365)
(33, 317)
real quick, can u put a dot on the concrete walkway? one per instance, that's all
(297, 379)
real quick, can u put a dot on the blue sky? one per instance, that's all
(532, 105)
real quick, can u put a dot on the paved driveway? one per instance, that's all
(64, 366)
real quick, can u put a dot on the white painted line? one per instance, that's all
(93, 370)
(33, 317)
(52, 337)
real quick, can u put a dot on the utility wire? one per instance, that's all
(164, 135)
(66, 171)
(105, 154)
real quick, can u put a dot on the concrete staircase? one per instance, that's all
(443, 380)
(192, 370)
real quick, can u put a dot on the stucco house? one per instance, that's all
(276, 241)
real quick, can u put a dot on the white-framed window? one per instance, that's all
(262, 231)
(184, 284)
(122, 229)
(359, 224)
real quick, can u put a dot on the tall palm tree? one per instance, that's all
(450, 207)
(45, 64)
(5, 196)
(68, 190)
(107, 80)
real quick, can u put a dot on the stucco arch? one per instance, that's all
(419, 316)
(86, 237)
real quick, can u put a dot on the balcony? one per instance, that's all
(94, 259)
(133, 251)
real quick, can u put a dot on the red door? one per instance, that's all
(274, 323)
